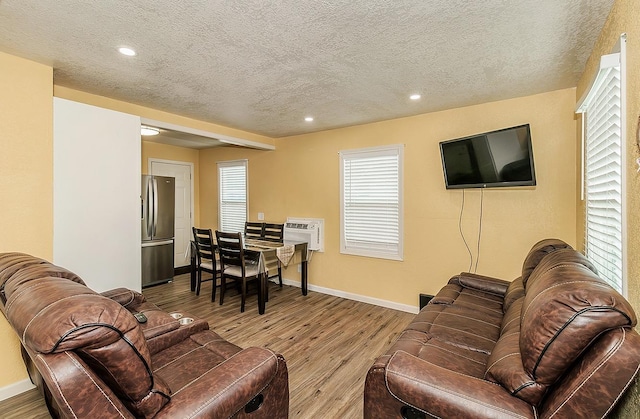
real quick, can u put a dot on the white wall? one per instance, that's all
(96, 194)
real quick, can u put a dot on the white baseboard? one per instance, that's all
(356, 297)
(14, 389)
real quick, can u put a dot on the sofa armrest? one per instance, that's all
(480, 282)
(227, 388)
(443, 393)
(125, 297)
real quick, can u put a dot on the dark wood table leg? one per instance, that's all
(193, 269)
(303, 275)
(262, 293)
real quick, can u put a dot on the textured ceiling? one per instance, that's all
(262, 66)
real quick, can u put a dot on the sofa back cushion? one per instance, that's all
(54, 315)
(504, 365)
(565, 309)
(557, 258)
(16, 268)
(537, 253)
(515, 291)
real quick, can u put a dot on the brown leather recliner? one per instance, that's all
(92, 358)
(557, 342)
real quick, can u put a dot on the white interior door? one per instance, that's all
(182, 172)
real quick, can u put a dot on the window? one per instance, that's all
(232, 198)
(603, 117)
(371, 202)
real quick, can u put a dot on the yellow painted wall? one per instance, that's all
(624, 18)
(181, 154)
(301, 179)
(26, 178)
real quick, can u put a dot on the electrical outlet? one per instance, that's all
(261, 216)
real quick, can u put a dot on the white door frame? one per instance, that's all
(180, 163)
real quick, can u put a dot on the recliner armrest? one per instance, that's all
(480, 282)
(125, 297)
(443, 393)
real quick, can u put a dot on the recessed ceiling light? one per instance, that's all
(308, 118)
(126, 51)
(149, 131)
(415, 96)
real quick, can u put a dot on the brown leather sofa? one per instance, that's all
(555, 343)
(92, 358)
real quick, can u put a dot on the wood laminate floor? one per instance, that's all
(329, 343)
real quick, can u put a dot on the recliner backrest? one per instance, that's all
(54, 315)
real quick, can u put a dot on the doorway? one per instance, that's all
(183, 173)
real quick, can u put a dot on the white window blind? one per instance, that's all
(604, 197)
(232, 195)
(371, 202)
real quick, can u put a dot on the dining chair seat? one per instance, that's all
(207, 265)
(250, 270)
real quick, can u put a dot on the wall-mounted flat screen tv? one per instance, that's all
(493, 159)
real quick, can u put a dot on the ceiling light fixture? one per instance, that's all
(415, 96)
(126, 51)
(149, 131)
(308, 118)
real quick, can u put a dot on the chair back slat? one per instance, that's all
(273, 232)
(253, 230)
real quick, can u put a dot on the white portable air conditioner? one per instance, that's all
(310, 230)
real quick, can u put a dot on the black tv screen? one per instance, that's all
(493, 159)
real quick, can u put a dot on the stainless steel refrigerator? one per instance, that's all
(158, 208)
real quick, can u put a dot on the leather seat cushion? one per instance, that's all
(452, 357)
(184, 362)
(455, 294)
(459, 326)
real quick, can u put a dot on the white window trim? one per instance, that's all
(617, 57)
(360, 251)
(232, 163)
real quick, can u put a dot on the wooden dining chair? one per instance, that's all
(234, 265)
(205, 259)
(274, 233)
(253, 230)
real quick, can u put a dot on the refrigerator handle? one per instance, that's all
(155, 206)
(148, 208)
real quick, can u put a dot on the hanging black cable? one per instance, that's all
(479, 230)
(462, 233)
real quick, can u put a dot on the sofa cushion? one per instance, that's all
(565, 309)
(459, 295)
(537, 253)
(459, 326)
(54, 315)
(18, 268)
(515, 291)
(511, 319)
(557, 258)
(504, 365)
(424, 346)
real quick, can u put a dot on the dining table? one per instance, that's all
(260, 251)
